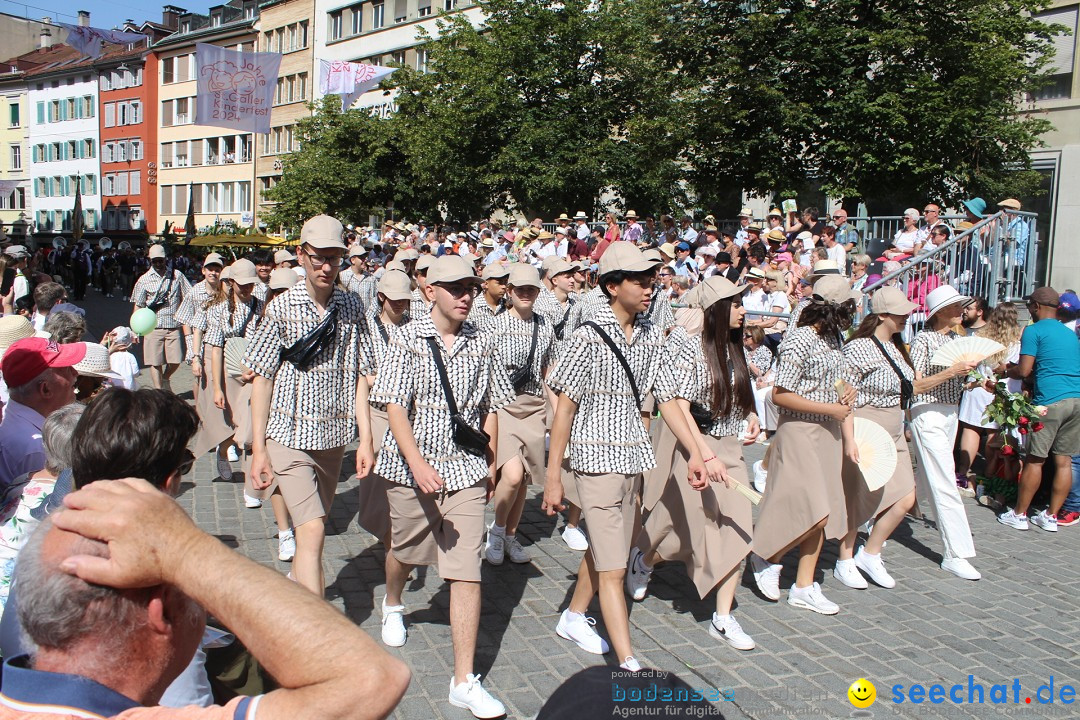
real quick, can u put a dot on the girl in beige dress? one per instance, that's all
(705, 525)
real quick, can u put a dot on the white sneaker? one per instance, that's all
(1013, 520)
(811, 598)
(637, 575)
(631, 664)
(874, 567)
(251, 502)
(1046, 521)
(495, 551)
(760, 476)
(224, 469)
(232, 454)
(846, 572)
(575, 539)
(515, 552)
(578, 627)
(767, 576)
(961, 568)
(726, 627)
(286, 545)
(473, 697)
(393, 625)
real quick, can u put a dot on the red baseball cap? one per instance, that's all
(27, 358)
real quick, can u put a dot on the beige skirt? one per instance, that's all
(214, 429)
(710, 530)
(863, 504)
(521, 434)
(805, 464)
(374, 515)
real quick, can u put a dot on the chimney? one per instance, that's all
(84, 18)
(46, 33)
(170, 16)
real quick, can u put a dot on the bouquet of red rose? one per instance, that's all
(1014, 414)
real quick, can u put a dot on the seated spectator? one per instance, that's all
(836, 251)
(859, 266)
(908, 240)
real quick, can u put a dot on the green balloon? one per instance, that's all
(143, 321)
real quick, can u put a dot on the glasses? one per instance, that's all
(839, 217)
(459, 289)
(318, 261)
(188, 463)
(747, 336)
(929, 210)
(667, 274)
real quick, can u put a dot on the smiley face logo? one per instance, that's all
(862, 693)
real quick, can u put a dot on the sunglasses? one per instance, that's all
(457, 290)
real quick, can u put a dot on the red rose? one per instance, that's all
(1008, 450)
(1023, 431)
(1037, 427)
(1023, 421)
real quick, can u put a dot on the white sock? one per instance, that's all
(867, 553)
(498, 530)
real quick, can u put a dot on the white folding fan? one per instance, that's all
(877, 453)
(747, 492)
(234, 356)
(972, 349)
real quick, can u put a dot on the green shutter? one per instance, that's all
(41, 113)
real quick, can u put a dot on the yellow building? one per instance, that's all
(215, 165)
(14, 159)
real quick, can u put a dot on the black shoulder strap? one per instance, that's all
(532, 346)
(436, 354)
(382, 329)
(250, 314)
(619, 356)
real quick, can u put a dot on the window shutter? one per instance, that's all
(41, 113)
(121, 184)
(166, 154)
(110, 114)
(92, 181)
(135, 184)
(196, 152)
(1064, 45)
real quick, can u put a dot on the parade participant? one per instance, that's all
(311, 355)
(708, 525)
(353, 277)
(598, 415)
(441, 388)
(492, 302)
(281, 280)
(419, 304)
(525, 344)
(934, 422)
(264, 263)
(557, 297)
(192, 317)
(162, 291)
(395, 293)
(282, 259)
(804, 501)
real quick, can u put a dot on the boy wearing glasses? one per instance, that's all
(438, 484)
(311, 355)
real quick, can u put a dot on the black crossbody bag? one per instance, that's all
(907, 389)
(303, 352)
(520, 378)
(468, 438)
(160, 300)
(620, 357)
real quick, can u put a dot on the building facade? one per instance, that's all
(14, 160)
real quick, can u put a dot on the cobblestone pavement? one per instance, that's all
(1018, 622)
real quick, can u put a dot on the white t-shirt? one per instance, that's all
(126, 366)
(905, 241)
(838, 254)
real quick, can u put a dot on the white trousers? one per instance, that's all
(933, 430)
(766, 410)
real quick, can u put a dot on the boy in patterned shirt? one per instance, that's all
(598, 415)
(438, 488)
(307, 406)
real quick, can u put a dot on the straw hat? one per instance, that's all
(12, 328)
(95, 362)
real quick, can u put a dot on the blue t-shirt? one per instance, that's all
(1056, 350)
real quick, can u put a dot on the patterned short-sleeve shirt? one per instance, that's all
(876, 382)
(607, 435)
(312, 409)
(380, 342)
(353, 282)
(686, 375)
(588, 304)
(152, 288)
(192, 310)
(810, 365)
(513, 338)
(660, 312)
(409, 379)
(482, 315)
(795, 313)
(923, 347)
(243, 321)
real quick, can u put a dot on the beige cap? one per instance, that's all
(284, 256)
(226, 273)
(524, 275)
(559, 267)
(12, 328)
(548, 261)
(283, 278)
(714, 289)
(451, 268)
(496, 270)
(653, 254)
(242, 272)
(357, 251)
(424, 262)
(833, 289)
(407, 254)
(396, 265)
(156, 251)
(213, 259)
(890, 301)
(668, 249)
(1011, 203)
(395, 285)
(625, 257)
(470, 258)
(322, 232)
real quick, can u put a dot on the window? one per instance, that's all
(215, 20)
(71, 110)
(13, 118)
(89, 148)
(71, 150)
(182, 115)
(181, 154)
(185, 26)
(1061, 66)
(301, 35)
(335, 25)
(423, 8)
(449, 5)
(168, 117)
(88, 106)
(401, 13)
(168, 74)
(54, 111)
(110, 114)
(166, 203)
(136, 150)
(378, 13)
(134, 182)
(16, 157)
(301, 86)
(421, 60)
(15, 200)
(357, 23)
(130, 113)
(398, 56)
(166, 155)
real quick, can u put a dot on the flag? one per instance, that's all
(189, 224)
(349, 80)
(76, 213)
(87, 40)
(236, 89)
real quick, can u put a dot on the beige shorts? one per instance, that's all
(1061, 432)
(307, 479)
(610, 505)
(161, 347)
(430, 530)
